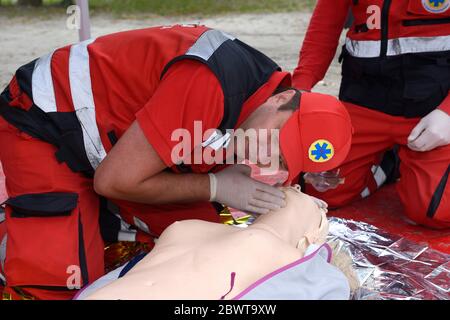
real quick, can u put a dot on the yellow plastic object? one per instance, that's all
(6, 296)
(119, 253)
(227, 218)
(19, 295)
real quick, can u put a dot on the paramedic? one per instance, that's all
(395, 85)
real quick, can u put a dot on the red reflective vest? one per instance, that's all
(83, 97)
(396, 54)
(86, 95)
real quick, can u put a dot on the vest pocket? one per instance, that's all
(43, 205)
(425, 87)
(426, 14)
(422, 14)
(418, 8)
(45, 246)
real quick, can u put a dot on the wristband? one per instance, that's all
(212, 187)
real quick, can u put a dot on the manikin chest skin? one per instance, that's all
(195, 259)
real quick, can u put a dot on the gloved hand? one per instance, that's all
(431, 132)
(235, 188)
(324, 181)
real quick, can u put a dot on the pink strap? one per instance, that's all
(233, 277)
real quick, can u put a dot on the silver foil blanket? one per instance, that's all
(390, 267)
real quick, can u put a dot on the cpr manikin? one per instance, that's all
(202, 260)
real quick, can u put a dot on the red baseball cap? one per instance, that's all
(317, 137)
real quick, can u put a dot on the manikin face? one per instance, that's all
(297, 199)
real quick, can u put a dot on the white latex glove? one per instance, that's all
(431, 132)
(235, 188)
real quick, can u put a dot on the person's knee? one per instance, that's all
(425, 213)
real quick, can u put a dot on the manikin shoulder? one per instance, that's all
(204, 238)
(193, 231)
(200, 235)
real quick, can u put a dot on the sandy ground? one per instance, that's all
(278, 35)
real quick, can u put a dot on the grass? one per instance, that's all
(176, 7)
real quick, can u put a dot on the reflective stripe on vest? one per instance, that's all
(399, 46)
(42, 84)
(3, 255)
(204, 48)
(83, 101)
(208, 43)
(81, 90)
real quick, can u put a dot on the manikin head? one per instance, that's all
(301, 132)
(303, 222)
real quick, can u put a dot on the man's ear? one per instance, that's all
(283, 97)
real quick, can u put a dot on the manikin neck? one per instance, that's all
(288, 223)
(285, 223)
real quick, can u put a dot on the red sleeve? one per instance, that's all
(188, 92)
(445, 105)
(321, 41)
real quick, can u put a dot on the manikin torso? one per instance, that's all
(195, 259)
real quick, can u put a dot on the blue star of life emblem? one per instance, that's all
(436, 3)
(322, 151)
(436, 6)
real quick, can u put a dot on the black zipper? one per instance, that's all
(425, 22)
(385, 27)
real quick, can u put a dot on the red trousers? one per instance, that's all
(50, 244)
(424, 186)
